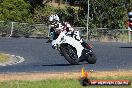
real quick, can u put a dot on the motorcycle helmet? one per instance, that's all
(54, 17)
(51, 18)
(130, 14)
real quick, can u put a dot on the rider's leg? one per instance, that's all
(51, 35)
(50, 38)
(54, 35)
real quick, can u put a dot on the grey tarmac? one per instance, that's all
(40, 57)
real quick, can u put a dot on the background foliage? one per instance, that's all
(103, 13)
(15, 10)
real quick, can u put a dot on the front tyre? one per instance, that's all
(70, 54)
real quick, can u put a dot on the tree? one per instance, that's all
(104, 13)
(15, 10)
(41, 13)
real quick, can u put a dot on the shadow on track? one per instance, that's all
(60, 64)
(57, 65)
(126, 47)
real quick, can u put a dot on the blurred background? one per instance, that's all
(29, 18)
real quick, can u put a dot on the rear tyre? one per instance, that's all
(91, 58)
(70, 54)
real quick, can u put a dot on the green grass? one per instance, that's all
(56, 83)
(3, 57)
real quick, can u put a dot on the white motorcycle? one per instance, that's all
(72, 49)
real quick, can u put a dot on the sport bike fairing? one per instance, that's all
(64, 39)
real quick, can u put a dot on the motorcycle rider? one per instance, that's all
(56, 27)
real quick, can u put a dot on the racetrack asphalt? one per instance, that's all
(40, 57)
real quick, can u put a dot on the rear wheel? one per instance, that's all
(70, 54)
(91, 58)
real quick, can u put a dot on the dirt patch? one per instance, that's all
(61, 75)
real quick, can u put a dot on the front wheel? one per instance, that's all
(70, 54)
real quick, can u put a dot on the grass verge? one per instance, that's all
(3, 57)
(57, 83)
(59, 79)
